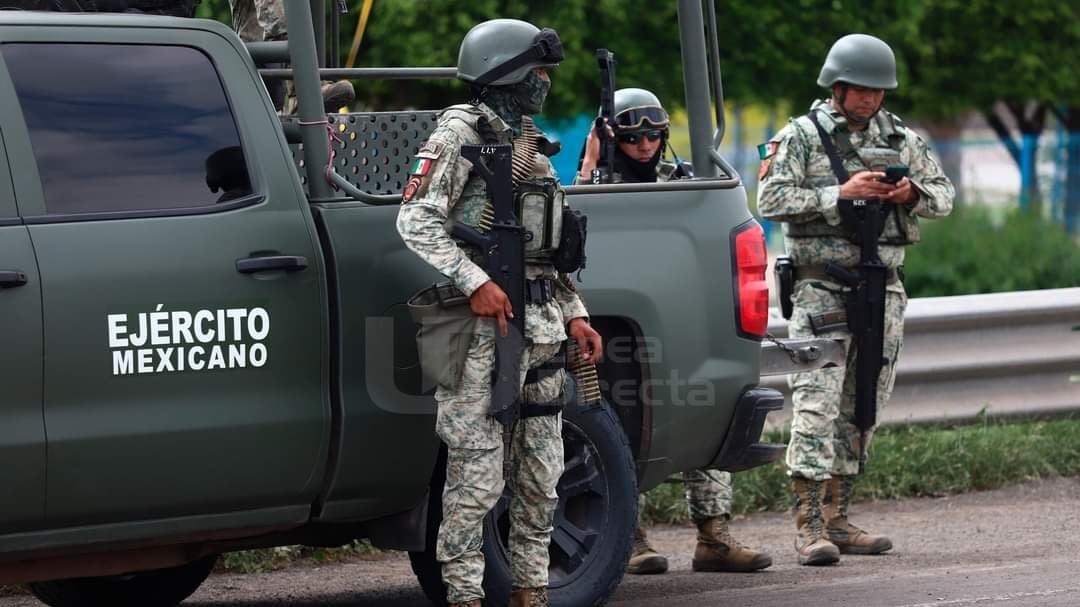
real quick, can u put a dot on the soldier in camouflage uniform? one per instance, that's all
(641, 135)
(264, 21)
(641, 132)
(504, 62)
(258, 20)
(799, 187)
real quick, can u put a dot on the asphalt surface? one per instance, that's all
(1010, 547)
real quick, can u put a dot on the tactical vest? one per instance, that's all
(538, 201)
(901, 227)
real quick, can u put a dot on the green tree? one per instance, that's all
(643, 35)
(1011, 61)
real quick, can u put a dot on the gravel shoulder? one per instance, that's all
(1013, 546)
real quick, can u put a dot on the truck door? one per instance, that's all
(22, 432)
(181, 282)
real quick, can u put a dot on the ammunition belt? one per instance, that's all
(816, 272)
(522, 162)
(588, 381)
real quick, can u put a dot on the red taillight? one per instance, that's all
(751, 290)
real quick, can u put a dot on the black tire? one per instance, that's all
(157, 588)
(594, 521)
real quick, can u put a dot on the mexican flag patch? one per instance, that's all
(421, 167)
(767, 149)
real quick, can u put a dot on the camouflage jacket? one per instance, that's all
(440, 184)
(797, 185)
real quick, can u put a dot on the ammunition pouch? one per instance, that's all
(899, 228)
(783, 271)
(445, 325)
(538, 204)
(828, 321)
(570, 257)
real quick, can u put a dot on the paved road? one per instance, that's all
(1005, 548)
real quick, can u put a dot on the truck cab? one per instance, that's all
(208, 347)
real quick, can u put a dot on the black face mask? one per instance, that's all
(634, 171)
(531, 92)
(513, 101)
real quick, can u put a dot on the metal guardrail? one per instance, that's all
(1010, 354)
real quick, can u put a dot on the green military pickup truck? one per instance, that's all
(208, 350)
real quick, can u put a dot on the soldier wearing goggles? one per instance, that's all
(641, 132)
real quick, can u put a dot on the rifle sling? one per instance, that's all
(837, 165)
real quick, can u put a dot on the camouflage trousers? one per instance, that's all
(474, 473)
(824, 441)
(258, 20)
(708, 494)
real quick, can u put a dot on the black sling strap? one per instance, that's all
(830, 150)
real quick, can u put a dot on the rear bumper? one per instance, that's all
(783, 356)
(742, 449)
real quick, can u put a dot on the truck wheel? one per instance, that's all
(594, 521)
(157, 588)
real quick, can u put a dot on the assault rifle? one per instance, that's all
(865, 309)
(503, 249)
(604, 165)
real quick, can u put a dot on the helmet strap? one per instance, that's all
(478, 95)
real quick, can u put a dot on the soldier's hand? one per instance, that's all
(903, 193)
(489, 300)
(592, 150)
(588, 340)
(865, 185)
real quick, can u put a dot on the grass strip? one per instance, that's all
(905, 461)
(271, 559)
(912, 461)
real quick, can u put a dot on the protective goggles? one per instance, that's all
(546, 49)
(636, 117)
(633, 138)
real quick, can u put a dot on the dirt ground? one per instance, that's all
(1011, 547)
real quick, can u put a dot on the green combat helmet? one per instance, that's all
(638, 110)
(504, 51)
(860, 60)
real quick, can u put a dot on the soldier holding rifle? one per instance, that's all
(452, 211)
(849, 182)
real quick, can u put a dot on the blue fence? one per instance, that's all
(980, 165)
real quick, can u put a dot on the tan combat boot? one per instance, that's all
(812, 546)
(529, 597)
(847, 537)
(718, 551)
(643, 559)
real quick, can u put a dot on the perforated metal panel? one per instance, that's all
(374, 150)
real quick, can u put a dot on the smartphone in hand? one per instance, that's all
(894, 173)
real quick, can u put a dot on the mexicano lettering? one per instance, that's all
(169, 341)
